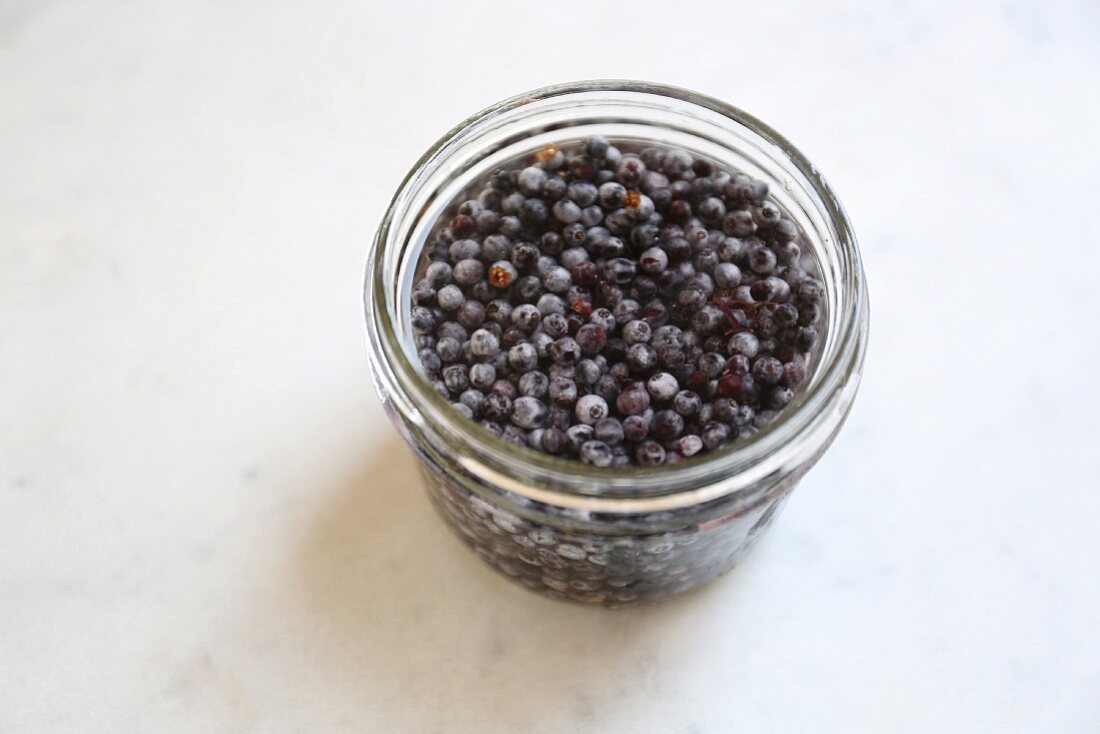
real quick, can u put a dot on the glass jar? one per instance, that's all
(611, 536)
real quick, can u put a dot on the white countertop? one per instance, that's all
(207, 524)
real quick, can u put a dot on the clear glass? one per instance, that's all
(611, 536)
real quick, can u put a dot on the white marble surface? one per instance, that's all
(206, 524)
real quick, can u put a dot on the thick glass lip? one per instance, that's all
(805, 427)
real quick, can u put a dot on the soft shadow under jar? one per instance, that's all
(621, 534)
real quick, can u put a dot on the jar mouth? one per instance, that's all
(807, 424)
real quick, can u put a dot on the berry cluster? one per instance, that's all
(617, 304)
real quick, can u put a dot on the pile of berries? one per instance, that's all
(617, 304)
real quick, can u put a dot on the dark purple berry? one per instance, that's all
(662, 386)
(528, 412)
(482, 375)
(591, 338)
(667, 425)
(688, 445)
(562, 391)
(641, 358)
(739, 223)
(619, 270)
(630, 170)
(632, 401)
(609, 430)
(483, 343)
(650, 453)
(794, 373)
(553, 189)
(807, 338)
(565, 351)
(533, 384)
(553, 440)
(687, 403)
(596, 453)
(810, 290)
(714, 435)
(531, 180)
(636, 427)
(577, 435)
(780, 397)
(590, 409)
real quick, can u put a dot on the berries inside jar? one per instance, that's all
(618, 304)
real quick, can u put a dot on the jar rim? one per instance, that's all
(737, 467)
